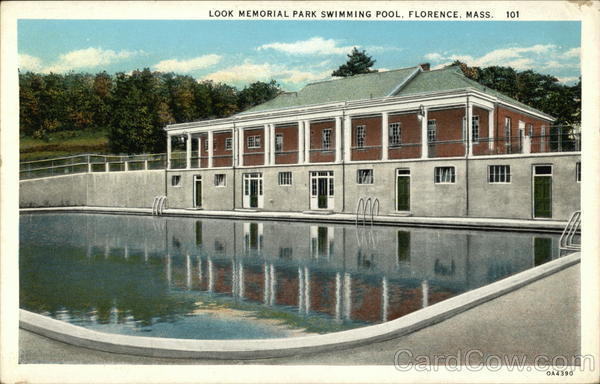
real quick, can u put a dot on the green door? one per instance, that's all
(253, 193)
(542, 196)
(198, 194)
(322, 192)
(403, 198)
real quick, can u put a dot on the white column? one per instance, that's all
(266, 143)
(469, 127)
(168, 151)
(272, 146)
(306, 141)
(233, 147)
(338, 139)
(210, 149)
(241, 144)
(491, 129)
(347, 138)
(385, 136)
(188, 151)
(300, 142)
(424, 141)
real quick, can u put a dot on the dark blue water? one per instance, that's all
(227, 279)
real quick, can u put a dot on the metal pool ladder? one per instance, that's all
(159, 204)
(568, 235)
(367, 204)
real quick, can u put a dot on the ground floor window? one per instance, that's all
(364, 176)
(578, 172)
(176, 180)
(284, 178)
(444, 175)
(220, 180)
(499, 173)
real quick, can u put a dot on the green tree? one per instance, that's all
(257, 93)
(358, 62)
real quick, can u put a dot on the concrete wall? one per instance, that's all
(58, 191)
(134, 189)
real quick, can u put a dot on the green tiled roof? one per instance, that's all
(378, 85)
(359, 87)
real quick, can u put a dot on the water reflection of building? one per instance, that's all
(344, 272)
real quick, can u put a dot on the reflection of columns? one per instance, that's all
(272, 281)
(300, 289)
(188, 151)
(338, 296)
(169, 269)
(199, 269)
(469, 126)
(347, 138)
(106, 249)
(168, 151)
(384, 299)
(425, 292)
(491, 129)
(347, 296)
(424, 136)
(266, 276)
(126, 251)
(210, 149)
(89, 251)
(188, 271)
(338, 139)
(146, 250)
(300, 142)
(241, 280)
(385, 136)
(306, 290)
(306, 141)
(211, 281)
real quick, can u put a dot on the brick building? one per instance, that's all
(400, 137)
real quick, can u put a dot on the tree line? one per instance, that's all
(132, 108)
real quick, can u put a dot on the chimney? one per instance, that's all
(424, 66)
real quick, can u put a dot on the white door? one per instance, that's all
(253, 190)
(321, 190)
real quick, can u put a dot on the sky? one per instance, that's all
(294, 53)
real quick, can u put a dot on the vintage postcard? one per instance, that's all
(300, 192)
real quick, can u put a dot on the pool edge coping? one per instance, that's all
(283, 347)
(478, 223)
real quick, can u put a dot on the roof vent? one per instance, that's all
(424, 66)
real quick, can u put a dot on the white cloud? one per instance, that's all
(185, 66)
(86, 58)
(521, 58)
(29, 63)
(249, 72)
(568, 79)
(312, 46)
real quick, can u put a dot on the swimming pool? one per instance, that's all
(231, 279)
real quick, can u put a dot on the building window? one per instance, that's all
(444, 175)
(175, 181)
(475, 128)
(206, 144)
(431, 130)
(228, 144)
(284, 178)
(220, 180)
(499, 173)
(253, 142)
(395, 134)
(326, 139)
(507, 129)
(279, 142)
(360, 136)
(578, 172)
(364, 176)
(529, 130)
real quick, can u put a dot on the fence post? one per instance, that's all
(559, 139)
(89, 163)
(106, 167)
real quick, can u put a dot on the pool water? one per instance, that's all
(232, 279)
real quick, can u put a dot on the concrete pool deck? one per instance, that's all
(553, 226)
(540, 318)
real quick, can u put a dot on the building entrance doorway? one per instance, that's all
(253, 190)
(542, 191)
(403, 190)
(321, 190)
(197, 191)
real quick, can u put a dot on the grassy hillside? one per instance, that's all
(63, 144)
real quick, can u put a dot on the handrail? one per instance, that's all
(370, 202)
(569, 232)
(361, 202)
